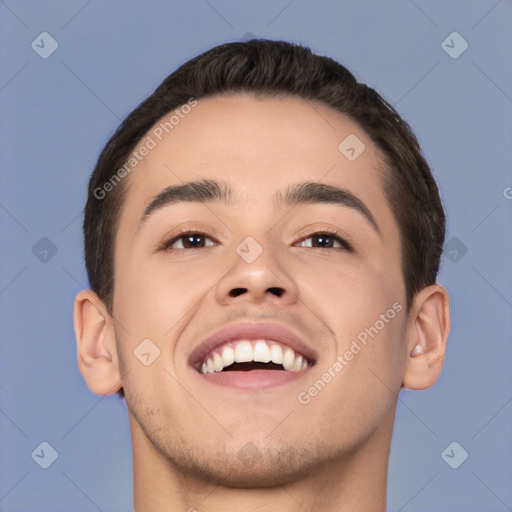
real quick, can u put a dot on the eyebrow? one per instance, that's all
(310, 192)
(201, 191)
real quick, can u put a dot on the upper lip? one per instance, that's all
(251, 331)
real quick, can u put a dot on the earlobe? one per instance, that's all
(429, 325)
(96, 344)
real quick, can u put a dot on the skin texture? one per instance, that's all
(203, 446)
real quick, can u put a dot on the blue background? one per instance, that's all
(56, 115)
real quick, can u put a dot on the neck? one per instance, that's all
(355, 482)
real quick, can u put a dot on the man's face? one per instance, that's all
(259, 427)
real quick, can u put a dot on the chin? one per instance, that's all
(247, 467)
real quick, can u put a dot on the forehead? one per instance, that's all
(258, 145)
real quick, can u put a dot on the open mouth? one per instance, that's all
(252, 356)
(247, 355)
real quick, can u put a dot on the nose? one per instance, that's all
(257, 281)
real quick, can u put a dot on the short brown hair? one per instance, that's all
(277, 68)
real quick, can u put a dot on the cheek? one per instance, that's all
(364, 367)
(152, 297)
(365, 311)
(352, 295)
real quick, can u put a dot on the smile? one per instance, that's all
(252, 356)
(247, 355)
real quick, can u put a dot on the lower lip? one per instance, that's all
(253, 380)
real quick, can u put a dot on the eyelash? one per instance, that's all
(346, 245)
(166, 246)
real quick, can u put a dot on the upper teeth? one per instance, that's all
(245, 351)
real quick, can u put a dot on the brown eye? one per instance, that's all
(325, 241)
(190, 240)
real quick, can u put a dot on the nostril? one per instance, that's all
(276, 291)
(235, 292)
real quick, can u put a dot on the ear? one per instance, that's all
(96, 344)
(428, 328)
